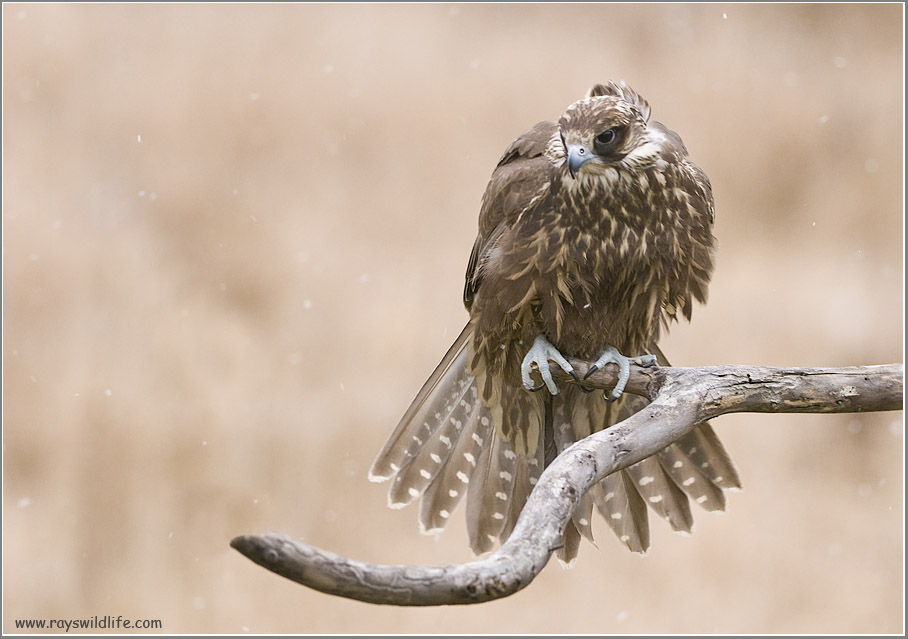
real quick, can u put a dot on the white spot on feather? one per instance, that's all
(688, 481)
(413, 492)
(655, 499)
(505, 475)
(453, 493)
(444, 514)
(425, 473)
(502, 496)
(462, 476)
(701, 499)
(435, 458)
(616, 515)
(646, 480)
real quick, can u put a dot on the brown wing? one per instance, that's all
(697, 183)
(521, 172)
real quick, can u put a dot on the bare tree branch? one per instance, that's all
(680, 398)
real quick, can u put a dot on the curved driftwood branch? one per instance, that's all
(680, 398)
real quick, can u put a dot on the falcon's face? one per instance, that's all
(602, 135)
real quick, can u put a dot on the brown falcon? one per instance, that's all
(595, 232)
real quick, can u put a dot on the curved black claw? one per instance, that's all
(536, 389)
(579, 385)
(593, 369)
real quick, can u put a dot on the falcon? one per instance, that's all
(595, 233)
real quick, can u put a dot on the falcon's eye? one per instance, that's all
(606, 140)
(606, 136)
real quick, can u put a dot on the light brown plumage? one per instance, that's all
(594, 231)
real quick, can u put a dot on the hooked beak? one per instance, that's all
(577, 156)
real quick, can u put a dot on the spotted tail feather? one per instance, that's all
(654, 484)
(450, 442)
(450, 486)
(623, 509)
(695, 467)
(698, 463)
(447, 447)
(564, 436)
(490, 496)
(707, 453)
(428, 412)
(527, 474)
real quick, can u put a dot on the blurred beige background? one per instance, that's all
(233, 244)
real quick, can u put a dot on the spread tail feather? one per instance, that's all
(446, 447)
(490, 497)
(424, 416)
(449, 487)
(695, 467)
(623, 509)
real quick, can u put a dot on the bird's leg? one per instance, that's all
(540, 353)
(611, 356)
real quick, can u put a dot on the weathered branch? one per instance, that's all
(680, 398)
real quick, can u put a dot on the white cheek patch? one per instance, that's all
(645, 153)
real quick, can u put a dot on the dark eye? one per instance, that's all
(605, 142)
(607, 137)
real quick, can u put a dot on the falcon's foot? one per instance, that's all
(611, 356)
(540, 353)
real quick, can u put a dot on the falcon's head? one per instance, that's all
(609, 131)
